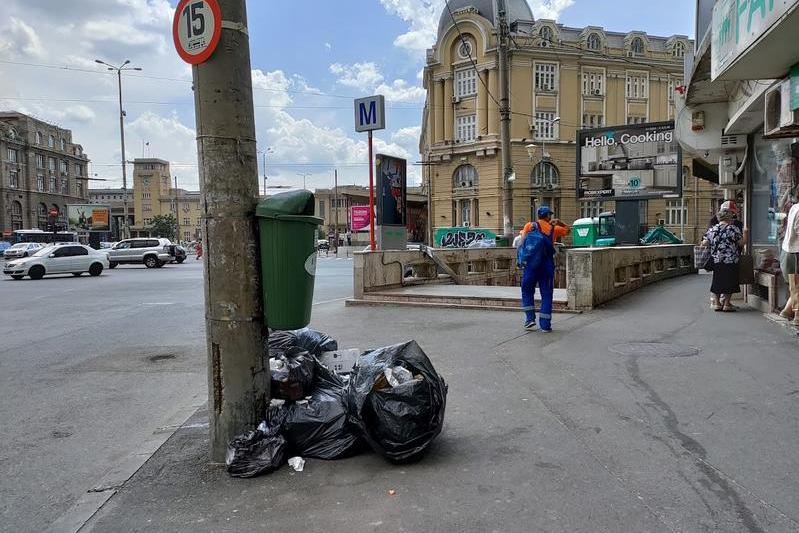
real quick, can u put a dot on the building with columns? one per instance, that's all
(561, 80)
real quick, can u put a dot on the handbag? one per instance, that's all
(701, 253)
(746, 270)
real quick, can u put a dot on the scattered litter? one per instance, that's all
(392, 492)
(340, 361)
(398, 421)
(257, 452)
(328, 402)
(317, 426)
(297, 463)
(292, 373)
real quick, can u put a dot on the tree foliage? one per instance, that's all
(163, 226)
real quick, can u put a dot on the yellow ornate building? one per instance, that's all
(561, 80)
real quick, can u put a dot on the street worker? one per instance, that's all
(536, 256)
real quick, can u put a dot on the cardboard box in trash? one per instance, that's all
(340, 361)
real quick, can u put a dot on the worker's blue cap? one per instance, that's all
(544, 211)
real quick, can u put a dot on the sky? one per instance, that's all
(310, 58)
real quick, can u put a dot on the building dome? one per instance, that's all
(517, 10)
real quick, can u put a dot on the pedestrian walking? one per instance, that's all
(789, 264)
(349, 237)
(536, 256)
(198, 250)
(726, 241)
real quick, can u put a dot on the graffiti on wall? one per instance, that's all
(462, 237)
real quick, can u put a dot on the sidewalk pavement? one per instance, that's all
(651, 414)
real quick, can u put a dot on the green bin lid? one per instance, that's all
(287, 203)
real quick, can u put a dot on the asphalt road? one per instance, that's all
(92, 368)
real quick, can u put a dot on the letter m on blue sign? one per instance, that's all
(370, 113)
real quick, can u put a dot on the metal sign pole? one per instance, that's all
(371, 197)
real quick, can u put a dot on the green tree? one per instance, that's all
(163, 226)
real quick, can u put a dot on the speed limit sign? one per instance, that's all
(196, 29)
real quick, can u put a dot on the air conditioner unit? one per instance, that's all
(456, 99)
(466, 224)
(630, 54)
(780, 120)
(464, 184)
(549, 186)
(732, 142)
(545, 44)
(597, 92)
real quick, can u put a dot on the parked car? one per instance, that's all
(22, 249)
(178, 253)
(69, 258)
(153, 253)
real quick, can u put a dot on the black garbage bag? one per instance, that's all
(317, 426)
(257, 452)
(292, 373)
(314, 342)
(397, 399)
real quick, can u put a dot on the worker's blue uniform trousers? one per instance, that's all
(544, 277)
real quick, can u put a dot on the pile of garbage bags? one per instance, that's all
(391, 401)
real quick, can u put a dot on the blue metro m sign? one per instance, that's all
(370, 113)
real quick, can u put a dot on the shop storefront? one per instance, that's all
(773, 188)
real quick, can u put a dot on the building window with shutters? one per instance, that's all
(11, 155)
(51, 164)
(546, 77)
(466, 128)
(545, 128)
(64, 185)
(40, 182)
(13, 179)
(465, 83)
(676, 212)
(39, 161)
(591, 120)
(593, 82)
(64, 168)
(52, 184)
(591, 209)
(637, 85)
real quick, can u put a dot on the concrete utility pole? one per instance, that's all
(238, 375)
(504, 117)
(177, 213)
(335, 207)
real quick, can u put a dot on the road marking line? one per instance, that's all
(331, 301)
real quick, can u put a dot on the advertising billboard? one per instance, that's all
(391, 191)
(630, 162)
(89, 217)
(359, 217)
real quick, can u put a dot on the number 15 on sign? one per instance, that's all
(196, 29)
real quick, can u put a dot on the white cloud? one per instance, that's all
(21, 40)
(422, 17)
(361, 76)
(366, 77)
(328, 46)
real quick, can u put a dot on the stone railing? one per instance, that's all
(389, 269)
(597, 275)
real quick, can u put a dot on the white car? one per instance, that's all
(22, 249)
(70, 258)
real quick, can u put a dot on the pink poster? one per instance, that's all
(359, 217)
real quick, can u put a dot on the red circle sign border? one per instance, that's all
(203, 57)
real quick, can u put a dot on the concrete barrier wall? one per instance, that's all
(597, 275)
(375, 271)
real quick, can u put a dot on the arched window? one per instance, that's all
(637, 45)
(545, 174)
(464, 176)
(16, 215)
(547, 36)
(679, 49)
(41, 212)
(594, 42)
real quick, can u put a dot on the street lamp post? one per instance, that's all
(119, 69)
(304, 175)
(267, 150)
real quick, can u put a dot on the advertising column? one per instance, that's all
(392, 204)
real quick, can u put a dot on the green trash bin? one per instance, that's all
(288, 258)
